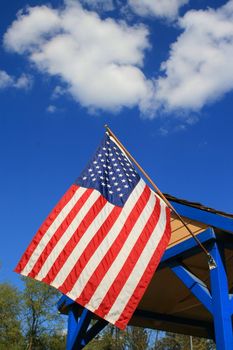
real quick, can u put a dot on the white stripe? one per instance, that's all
(82, 244)
(51, 230)
(115, 268)
(107, 242)
(67, 235)
(138, 270)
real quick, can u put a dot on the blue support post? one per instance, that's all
(221, 301)
(77, 328)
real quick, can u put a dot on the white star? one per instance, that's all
(99, 171)
(115, 183)
(133, 175)
(123, 180)
(95, 162)
(117, 169)
(120, 175)
(104, 148)
(102, 160)
(102, 183)
(110, 192)
(121, 195)
(90, 170)
(84, 178)
(94, 178)
(97, 166)
(126, 186)
(118, 189)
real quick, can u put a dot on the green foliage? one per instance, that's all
(11, 337)
(183, 342)
(42, 323)
(133, 338)
(30, 321)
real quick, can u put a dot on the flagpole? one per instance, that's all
(211, 262)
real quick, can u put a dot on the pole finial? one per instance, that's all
(211, 262)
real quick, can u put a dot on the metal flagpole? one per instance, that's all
(211, 262)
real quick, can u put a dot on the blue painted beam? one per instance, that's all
(215, 220)
(78, 328)
(194, 284)
(94, 330)
(221, 302)
(187, 246)
(175, 319)
(64, 302)
(231, 303)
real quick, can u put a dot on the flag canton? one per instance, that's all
(110, 172)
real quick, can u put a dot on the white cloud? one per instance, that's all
(51, 109)
(58, 91)
(102, 5)
(7, 81)
(99, 60)
(159, 8)
(25, 82)
(199, 69)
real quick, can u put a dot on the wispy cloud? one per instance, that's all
(160, 8)
(7, 81)
(51, 109)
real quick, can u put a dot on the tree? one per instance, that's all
(11, 337)
(43, 326)
(137, 338)
(173, 341)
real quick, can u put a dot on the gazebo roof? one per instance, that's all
(169, 303)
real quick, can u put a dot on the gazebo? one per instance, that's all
(184, 296)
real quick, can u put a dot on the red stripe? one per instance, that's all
(77, 235)
(147, 276)
(112, 253)
(130, 262)
(89, 251)
(44, 227)
(59, 233)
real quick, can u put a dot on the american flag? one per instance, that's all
(104, 239)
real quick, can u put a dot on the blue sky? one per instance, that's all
(160, 75)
